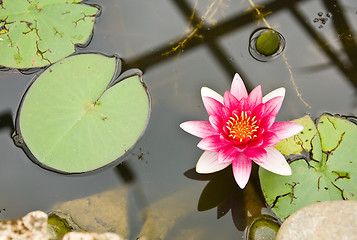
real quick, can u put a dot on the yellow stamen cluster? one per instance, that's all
(242, 127)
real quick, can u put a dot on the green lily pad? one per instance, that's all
(74, 118)
(323, 163)
(36, 33)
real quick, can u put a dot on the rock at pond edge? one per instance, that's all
(324, 220)
(33, 226)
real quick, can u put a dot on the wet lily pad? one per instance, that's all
(36, 33)
(323, 161)
(76, 117)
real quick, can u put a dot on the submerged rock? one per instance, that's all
(108, 211)
(324, 220)
(33, 226)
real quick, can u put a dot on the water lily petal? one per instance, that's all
(213, 107)
(208, 163)
(238, 88)
(258, 111)
(258, 142)
(267, 122)
(226, 113)
(279, 92)
(286, 129)
(212, 143)
(255, 97)
(199, 129)
(273, 106)
(216, 123)
(228, 154)
(275, 162)
(269, 139)
(242, 167)
(231, 102)
(207, 92)
(256, 154)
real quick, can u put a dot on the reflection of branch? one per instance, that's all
(351, 73)
(6, 121)
(125, 173)
(196, 22)
(261, 16)
(211, 42)
(211, 37)
(136, 192)
(238, 21)
(342, 28)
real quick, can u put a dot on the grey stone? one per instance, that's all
(324, 220)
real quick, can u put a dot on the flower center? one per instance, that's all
(242, 127)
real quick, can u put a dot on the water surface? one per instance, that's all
(179, 52)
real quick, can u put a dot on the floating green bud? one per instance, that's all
(268, 43)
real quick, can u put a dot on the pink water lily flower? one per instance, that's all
(241, 129)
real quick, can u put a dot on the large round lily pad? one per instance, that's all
(324, 166)
(36, 33)
(74, 118)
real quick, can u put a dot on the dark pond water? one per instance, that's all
(156, 191)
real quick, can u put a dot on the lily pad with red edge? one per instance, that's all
(323, 163)
(77, 117)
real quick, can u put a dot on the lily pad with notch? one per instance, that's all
(36, 33)
(323, 163)
(78, 117)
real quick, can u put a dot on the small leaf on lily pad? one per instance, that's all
(74, 118)
(323, 162)
(36, 33)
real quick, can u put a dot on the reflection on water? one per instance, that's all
(6, 121)
(181, 46)
(223, 193)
